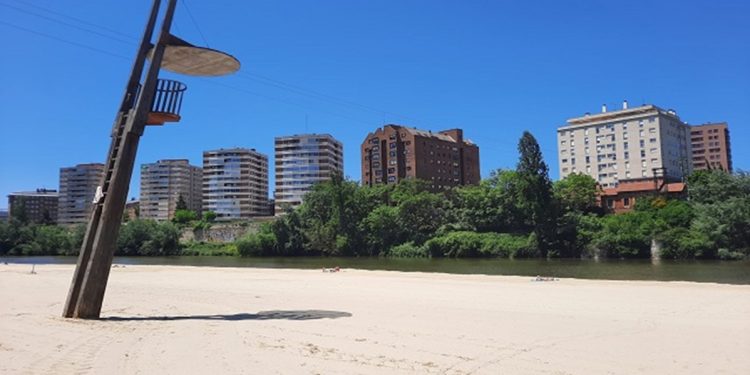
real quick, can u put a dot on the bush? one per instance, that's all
(472, 244)
(147, 237)
(681, 243)
(184, 216)
(209, 249)
(258, 244)
(408, 250)
(725, 254)
(626, 236)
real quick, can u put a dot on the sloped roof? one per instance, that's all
(429, 134)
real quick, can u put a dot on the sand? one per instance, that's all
(178, 320)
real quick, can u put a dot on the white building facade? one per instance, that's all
(302, 161)
(625, 144)
(235, 183)
(162, 185)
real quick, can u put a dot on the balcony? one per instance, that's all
(167, 102)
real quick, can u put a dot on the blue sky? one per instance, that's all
(494, 68)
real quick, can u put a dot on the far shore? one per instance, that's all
(168, 319)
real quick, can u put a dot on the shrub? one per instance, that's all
(626, 236)
(209, 249)
(147, 237)
(472, 244)
(408, 250)
(184, 216)
(681, 243)
(725, 254)
(505, 245)
(258, 244)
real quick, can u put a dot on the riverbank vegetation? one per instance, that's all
(515, 213)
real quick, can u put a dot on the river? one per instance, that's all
(727, 272)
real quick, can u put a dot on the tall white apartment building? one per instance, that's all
(162, 185)
(77, 189)
(301, 162)
(625, 144)
(235, 183)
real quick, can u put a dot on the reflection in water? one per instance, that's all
(735, 272)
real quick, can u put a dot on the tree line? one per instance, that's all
(517, 213)
(513, 213)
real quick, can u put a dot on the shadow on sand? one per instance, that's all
(263, 315)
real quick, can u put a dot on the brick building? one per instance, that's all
(711, 146)
(444, 159)
(38, 206)
(622, 198)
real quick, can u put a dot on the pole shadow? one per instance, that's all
(262, 315)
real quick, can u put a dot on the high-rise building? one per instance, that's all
(443, 159)
(711, 146)
(235, 183)
(163, 184)
(38, 206)
(302, 161)
(625, 144)
(77, 189)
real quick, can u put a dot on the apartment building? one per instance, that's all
(77, 189)
(301, 161)
(625, 144)
(38, 206)
(444, 159)
(235, 183)
(163, 184)
(711, 147)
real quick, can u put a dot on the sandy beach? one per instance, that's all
(177, 320)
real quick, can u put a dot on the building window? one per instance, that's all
(626, 202)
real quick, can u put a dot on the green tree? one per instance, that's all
(576, 192)
(183, 216)
(626, 235)
(181, 204)
(536, 192)
(381, 231)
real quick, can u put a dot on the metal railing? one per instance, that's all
(168, 96)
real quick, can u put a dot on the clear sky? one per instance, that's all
(494, 68)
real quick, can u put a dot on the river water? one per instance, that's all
(728, 272)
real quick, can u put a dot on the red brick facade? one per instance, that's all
(444, 159)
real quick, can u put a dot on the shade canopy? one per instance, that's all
(185, 58)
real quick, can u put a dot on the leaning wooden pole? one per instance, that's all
(89, 282)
